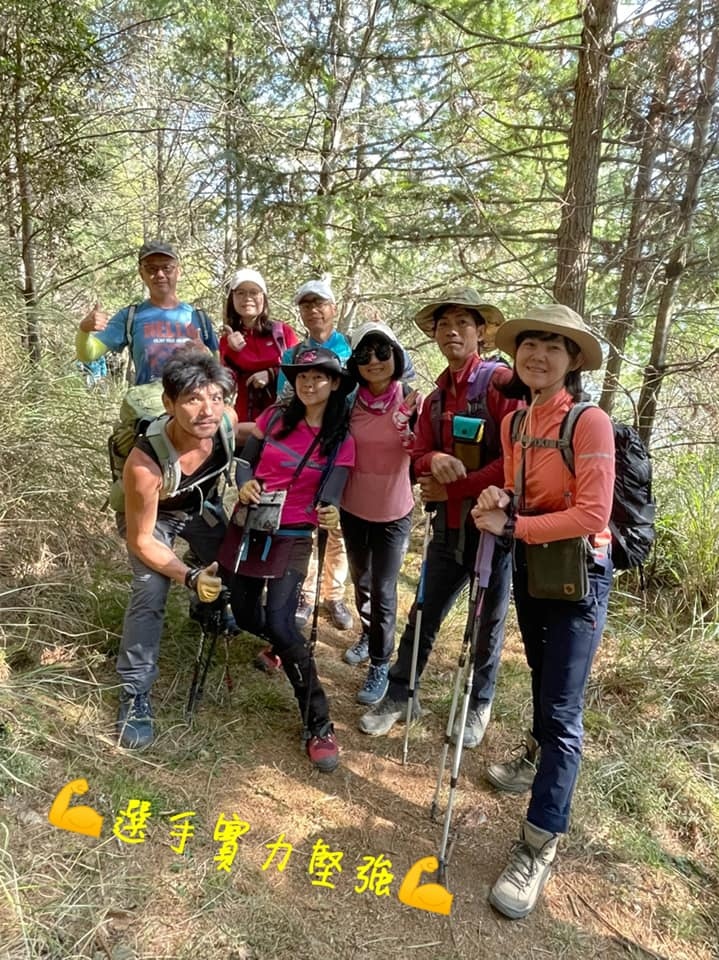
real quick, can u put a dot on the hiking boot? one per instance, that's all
(339, 615)
(474, 728)
(516, 776)
(267, 661)
(303, 612)
(382, 717)
(134, 721)
(322, 749)
(517, 890)
(375, 686)
(358, 652)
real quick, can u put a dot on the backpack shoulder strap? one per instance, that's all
(566, 432)
(515, 424)
(227, 435)
(204, 324)
(435, 416)
(129, 331)
(129, 325)
(480, 384)
(167, 456)
(278, 335)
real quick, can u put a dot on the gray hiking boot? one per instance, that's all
(375, 685)
(517, 890)
(382, 717)
(474, 728)
(517, 775)
(358, 652)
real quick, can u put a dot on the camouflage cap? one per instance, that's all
(457, 297)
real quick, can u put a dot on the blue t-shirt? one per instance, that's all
(156, 333)
(337, 342)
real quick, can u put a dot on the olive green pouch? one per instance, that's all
(558, 570)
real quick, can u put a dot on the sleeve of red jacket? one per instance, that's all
(423, 449)
(491, 474)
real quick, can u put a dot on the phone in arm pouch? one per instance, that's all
(467, 433)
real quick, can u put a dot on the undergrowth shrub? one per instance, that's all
(53, 482)
(687, 552)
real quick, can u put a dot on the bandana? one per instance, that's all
(384, 402)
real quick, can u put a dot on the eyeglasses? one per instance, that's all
(313, 302)
(152, 270)
(382, 351)
(248, 294)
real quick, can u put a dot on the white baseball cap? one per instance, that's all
(317, 287)
(248, 276)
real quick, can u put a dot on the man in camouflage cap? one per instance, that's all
(451, 475)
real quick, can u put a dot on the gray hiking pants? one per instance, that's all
(142, 627)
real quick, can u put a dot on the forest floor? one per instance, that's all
(73, 896)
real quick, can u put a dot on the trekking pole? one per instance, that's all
(480, 581)
(210, 628)
(429, 513)
(321, 549)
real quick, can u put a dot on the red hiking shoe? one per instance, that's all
(322, 749)
(268, 661)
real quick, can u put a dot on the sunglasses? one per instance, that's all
(381, 351)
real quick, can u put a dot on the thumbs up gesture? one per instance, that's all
(235, 340)
(205, 582)
(95, 319)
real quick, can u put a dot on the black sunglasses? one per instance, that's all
(382, 351)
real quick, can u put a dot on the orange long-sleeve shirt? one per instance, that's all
(566, 505)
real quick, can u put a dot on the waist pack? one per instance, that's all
(558, 570)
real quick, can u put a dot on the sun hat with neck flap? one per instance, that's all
(552, 318)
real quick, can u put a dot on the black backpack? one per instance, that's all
(633, 507)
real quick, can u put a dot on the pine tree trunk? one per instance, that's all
(585, 141)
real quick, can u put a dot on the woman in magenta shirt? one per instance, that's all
(377, 502)
(300, 447)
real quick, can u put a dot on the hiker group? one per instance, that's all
(325, 438)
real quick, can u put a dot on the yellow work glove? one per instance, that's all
(250, 492)
(204, 582)
(328, 517)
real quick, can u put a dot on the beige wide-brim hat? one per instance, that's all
(457, 297)
(552, 318)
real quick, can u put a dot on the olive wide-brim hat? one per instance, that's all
(552, 318)
(457, 297)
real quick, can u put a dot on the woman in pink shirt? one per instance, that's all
(546, 506)
(252, 344)
(377, 502)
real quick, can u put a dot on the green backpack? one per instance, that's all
(141, 415)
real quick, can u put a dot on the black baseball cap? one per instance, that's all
(156, 246)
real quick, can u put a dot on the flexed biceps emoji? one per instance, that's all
(432, 897)
(80, 819)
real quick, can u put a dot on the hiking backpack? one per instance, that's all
(633, 507)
